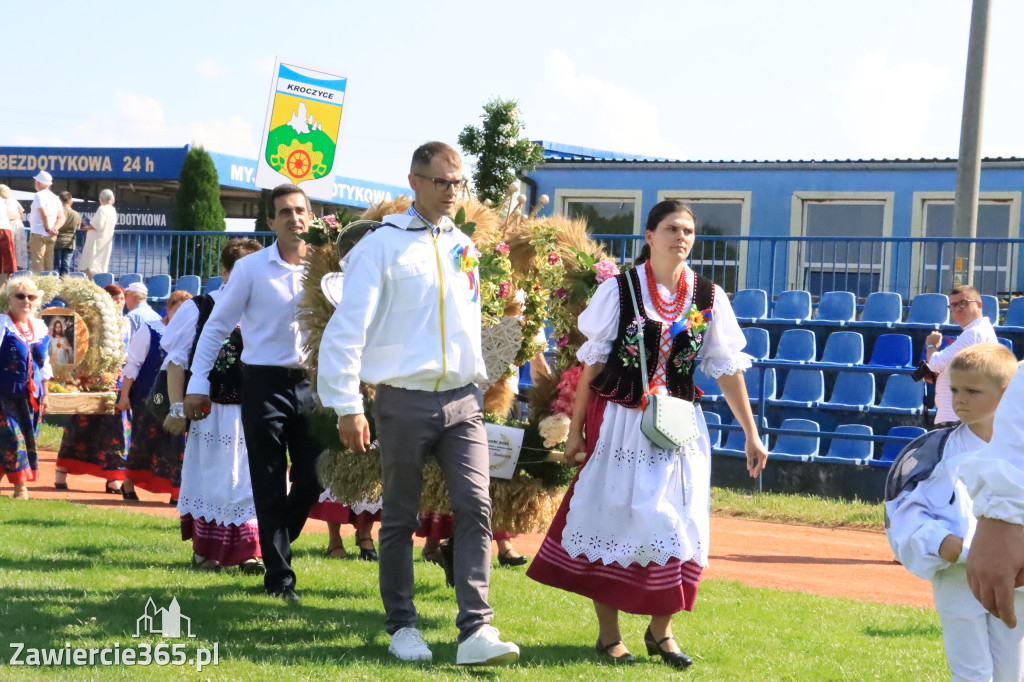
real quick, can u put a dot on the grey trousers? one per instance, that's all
(449, 425)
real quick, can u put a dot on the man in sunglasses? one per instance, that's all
(965, 309)
(409, 323)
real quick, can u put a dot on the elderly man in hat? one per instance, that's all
(139, 311)
(45, 218)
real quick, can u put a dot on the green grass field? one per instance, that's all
(72, 575)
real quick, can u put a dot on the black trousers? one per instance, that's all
(274, 402)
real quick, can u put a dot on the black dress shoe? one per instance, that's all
(129, 495)
(605, 650)
(448, 561)
(505, 560)
(287, 594)
(676, 659)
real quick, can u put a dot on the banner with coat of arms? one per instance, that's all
(303, 124)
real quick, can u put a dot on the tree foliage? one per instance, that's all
(197, 208)
(499, 150)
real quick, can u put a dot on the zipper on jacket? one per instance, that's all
(444, 356)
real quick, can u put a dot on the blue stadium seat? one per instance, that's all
(902, 395)
(848, 451)
(190, 283)
(1006, 342)
(102, 279)
(892, 350)
(853, 391)
(130, 278)
(525, 380)
(835, 308)
(752, 379)
(713, 421)
(712, 391)
(736, 441)
(213, 284)
(1015, 314)
(792, 305)
(890, 450)
(49, 273)
(159, 287)
(750, 305)
(76, 275)
(928, 311)
(757, 342)
(990, 308)
(796, 448)
(843, 348)
(797, 346)
(21, 273)
(882, 309)
(804, 388)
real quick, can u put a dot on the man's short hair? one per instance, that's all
(966, 290)
(993, 360)
(425, 153)
(283, 191)
(65, 197)
(235, 249)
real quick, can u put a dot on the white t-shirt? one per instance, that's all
(48, 202)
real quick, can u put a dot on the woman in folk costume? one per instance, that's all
(632, 531)
(154, 457)
(24, 370)
(96, 444)
(215, 501)
(360, 515)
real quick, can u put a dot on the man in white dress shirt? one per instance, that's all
(965, 309)
(45, 219)
(409, 323)
(262, 296)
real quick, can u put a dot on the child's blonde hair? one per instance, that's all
(994, 360)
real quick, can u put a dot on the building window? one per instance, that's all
(985, 265)
(719, 215)
(839, 263)
(610, 212)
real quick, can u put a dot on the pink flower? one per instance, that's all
(559, 293)
(501, 247)
(605, 270)
(563, 342)
(331, 221)
(553, 258)
(503, 289)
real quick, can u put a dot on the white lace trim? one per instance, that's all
(235, 514)
(370, 506)
(715, 367)
(610, 551)
(177, 357)
(594, 352)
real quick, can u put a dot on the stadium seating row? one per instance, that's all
(881, 309)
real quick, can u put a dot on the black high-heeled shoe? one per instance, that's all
(676, 659)
(367, 553)
(129, 494)
(605, 650)
(505, 560)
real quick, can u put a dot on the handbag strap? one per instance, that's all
(640, 336)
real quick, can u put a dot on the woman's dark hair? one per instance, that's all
(661, 210)
(235, 249)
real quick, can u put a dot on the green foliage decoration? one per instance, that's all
(500, 152)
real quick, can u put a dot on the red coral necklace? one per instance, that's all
(668, 310)
(26, 330)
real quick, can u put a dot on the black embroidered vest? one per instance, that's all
(226, 374)
(620, 381)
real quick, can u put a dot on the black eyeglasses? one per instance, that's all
(22, 296)
(961, 304)
(443, 184)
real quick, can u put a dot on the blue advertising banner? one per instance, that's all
(94, 163)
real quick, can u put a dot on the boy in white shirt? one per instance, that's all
(930, 520)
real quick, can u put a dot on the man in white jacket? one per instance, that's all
(995, 479)
(409, 323)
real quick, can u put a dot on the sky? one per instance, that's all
(683, 79)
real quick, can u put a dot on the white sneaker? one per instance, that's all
(407, 644)
(484, 647)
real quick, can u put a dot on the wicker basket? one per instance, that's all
(81, 403)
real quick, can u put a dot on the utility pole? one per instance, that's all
(968, 167)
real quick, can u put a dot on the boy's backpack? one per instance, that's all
(915, 463)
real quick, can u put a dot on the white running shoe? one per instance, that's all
(484, 647)
(407, 644)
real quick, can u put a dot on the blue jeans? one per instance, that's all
(62, 260)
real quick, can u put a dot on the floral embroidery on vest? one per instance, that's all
(630, 351)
